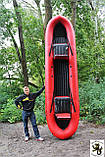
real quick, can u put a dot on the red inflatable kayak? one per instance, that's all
(61, 80)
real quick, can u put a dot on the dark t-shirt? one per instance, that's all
(28, 101)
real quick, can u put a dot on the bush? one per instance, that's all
(8, 92)
(92, 105)
(40, 109)
(10, 113)
(92, 102)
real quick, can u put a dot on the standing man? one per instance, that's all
(27, 102)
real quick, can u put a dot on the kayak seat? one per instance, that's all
(60, 47)
(62, 107)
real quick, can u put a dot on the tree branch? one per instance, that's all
(20, 80)
(39, 9)
(32, 84)
(28, 4)
(90, 2)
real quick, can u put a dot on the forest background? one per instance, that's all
(22, 53)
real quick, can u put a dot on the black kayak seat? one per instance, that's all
(60, 49)
(62, 107)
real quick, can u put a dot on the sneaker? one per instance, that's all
(26, 138)
(40, 139)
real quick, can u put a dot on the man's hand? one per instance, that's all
(19, 107)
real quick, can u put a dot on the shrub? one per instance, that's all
(40, 109)
(8, 92)
(92, 102)
(10, 113)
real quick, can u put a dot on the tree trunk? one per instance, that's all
(23, 59)
(39, 9)
(15, 44)
(73, 18)
(48, 12)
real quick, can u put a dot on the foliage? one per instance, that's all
(90, 36)
(34, 43)
(40, 109)
(8, 92)
(92, 101)
(9, 66)
(90, 47)
(10, 113)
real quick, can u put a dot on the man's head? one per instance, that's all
(26, 90)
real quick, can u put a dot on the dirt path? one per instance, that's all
(12, 141)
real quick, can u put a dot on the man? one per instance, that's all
(27, 102)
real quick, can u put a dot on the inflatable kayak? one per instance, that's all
(61, 80)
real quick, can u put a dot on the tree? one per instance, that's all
(48, 12)
(23, 56)
(90, 50)
(9, 24)
(90, 45)
(73, 17)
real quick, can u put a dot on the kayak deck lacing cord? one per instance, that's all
(72, 98)
(50, 49)
(52, 102)
(70, 47)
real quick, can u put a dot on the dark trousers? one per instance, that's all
(31, 115)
